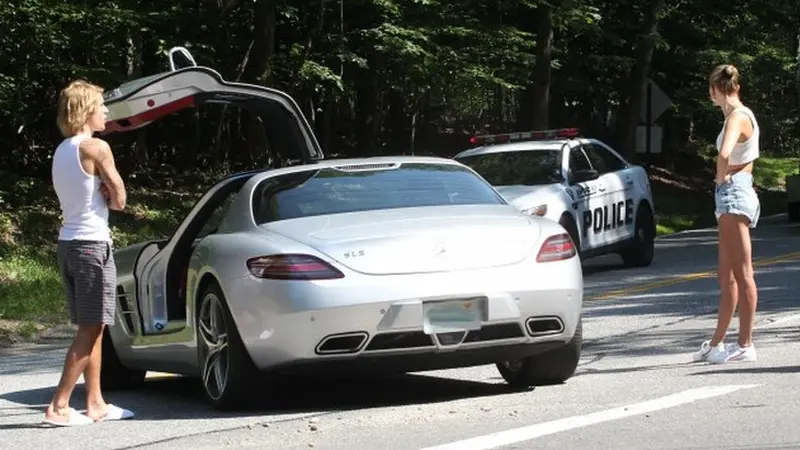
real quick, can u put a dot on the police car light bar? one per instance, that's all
(525, 136)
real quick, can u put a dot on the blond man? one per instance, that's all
(87, 184)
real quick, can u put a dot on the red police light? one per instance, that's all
(559, 133)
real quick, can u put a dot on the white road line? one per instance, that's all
(516, 435)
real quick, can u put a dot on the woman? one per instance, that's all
(737, 210)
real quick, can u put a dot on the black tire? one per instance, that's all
(113, 374)
(568, 223)
(548, 368)
(235, 390)
(794, 211)
(639, 253)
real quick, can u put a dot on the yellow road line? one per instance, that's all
(684, 278)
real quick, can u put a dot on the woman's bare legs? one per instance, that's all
(739, 256)
(728, 289)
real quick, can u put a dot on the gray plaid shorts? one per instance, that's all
(90, 280)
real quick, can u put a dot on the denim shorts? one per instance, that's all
(738, 196)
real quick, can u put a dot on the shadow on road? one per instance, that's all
(751, 370)
(178, 398)
(681, 342)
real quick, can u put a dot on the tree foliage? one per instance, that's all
(394, 76)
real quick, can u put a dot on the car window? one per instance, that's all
(528, 167)
(577, 160)
(368, 187)
(217, 215)
(602, 160)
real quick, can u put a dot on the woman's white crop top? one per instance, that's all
(747, 151)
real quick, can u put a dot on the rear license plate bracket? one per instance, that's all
(452, 315)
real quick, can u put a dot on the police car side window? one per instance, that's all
(602, 160)
(577, 160)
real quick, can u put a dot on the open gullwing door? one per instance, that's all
(141, 101)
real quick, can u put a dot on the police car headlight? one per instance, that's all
(540, 210)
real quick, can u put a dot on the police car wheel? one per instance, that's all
(794, 212)
(572, 229)
(551, 367)
(640, 252)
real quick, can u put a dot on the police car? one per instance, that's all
(602, 200)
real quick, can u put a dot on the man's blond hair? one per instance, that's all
(76, 103)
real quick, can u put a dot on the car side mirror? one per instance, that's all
(580, 176)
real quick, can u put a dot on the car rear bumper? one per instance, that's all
(518, 317)
(415, 361)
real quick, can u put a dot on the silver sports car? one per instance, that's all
(399, 264)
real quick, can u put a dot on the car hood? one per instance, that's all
(519, 195)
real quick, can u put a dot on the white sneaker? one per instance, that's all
(706, 350)
(734, 352)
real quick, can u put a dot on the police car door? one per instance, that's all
(589, 195)
(618, 209)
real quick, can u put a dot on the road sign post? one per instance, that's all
(648, 136)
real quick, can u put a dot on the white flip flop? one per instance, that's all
(75, 419)
(117, 413)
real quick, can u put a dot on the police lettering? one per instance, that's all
(608, 217)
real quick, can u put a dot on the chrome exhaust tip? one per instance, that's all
(342, 343)
(543, 326)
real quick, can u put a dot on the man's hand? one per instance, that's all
(105, 192)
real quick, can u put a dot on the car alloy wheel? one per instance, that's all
(214, 335)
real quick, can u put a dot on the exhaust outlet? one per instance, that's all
(543, 326)
(343, 343)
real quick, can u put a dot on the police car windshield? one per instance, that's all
(529, 167)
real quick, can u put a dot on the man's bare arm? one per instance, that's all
(100, 153)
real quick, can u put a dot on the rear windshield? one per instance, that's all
(528, 167)
(334, 191)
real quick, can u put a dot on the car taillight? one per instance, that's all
(292, 267)
(556, 248)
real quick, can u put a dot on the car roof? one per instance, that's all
(522, 146)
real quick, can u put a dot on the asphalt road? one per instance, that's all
(635, 388)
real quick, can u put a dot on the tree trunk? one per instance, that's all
(541, 72)
(644, 57)
(797, 74)
(259, 66)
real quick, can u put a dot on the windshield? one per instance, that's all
(368, 187)
(530, 167)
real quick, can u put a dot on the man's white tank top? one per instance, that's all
(83, 207)
(747, 151)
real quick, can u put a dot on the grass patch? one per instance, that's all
(771, 173)
(31, 289)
